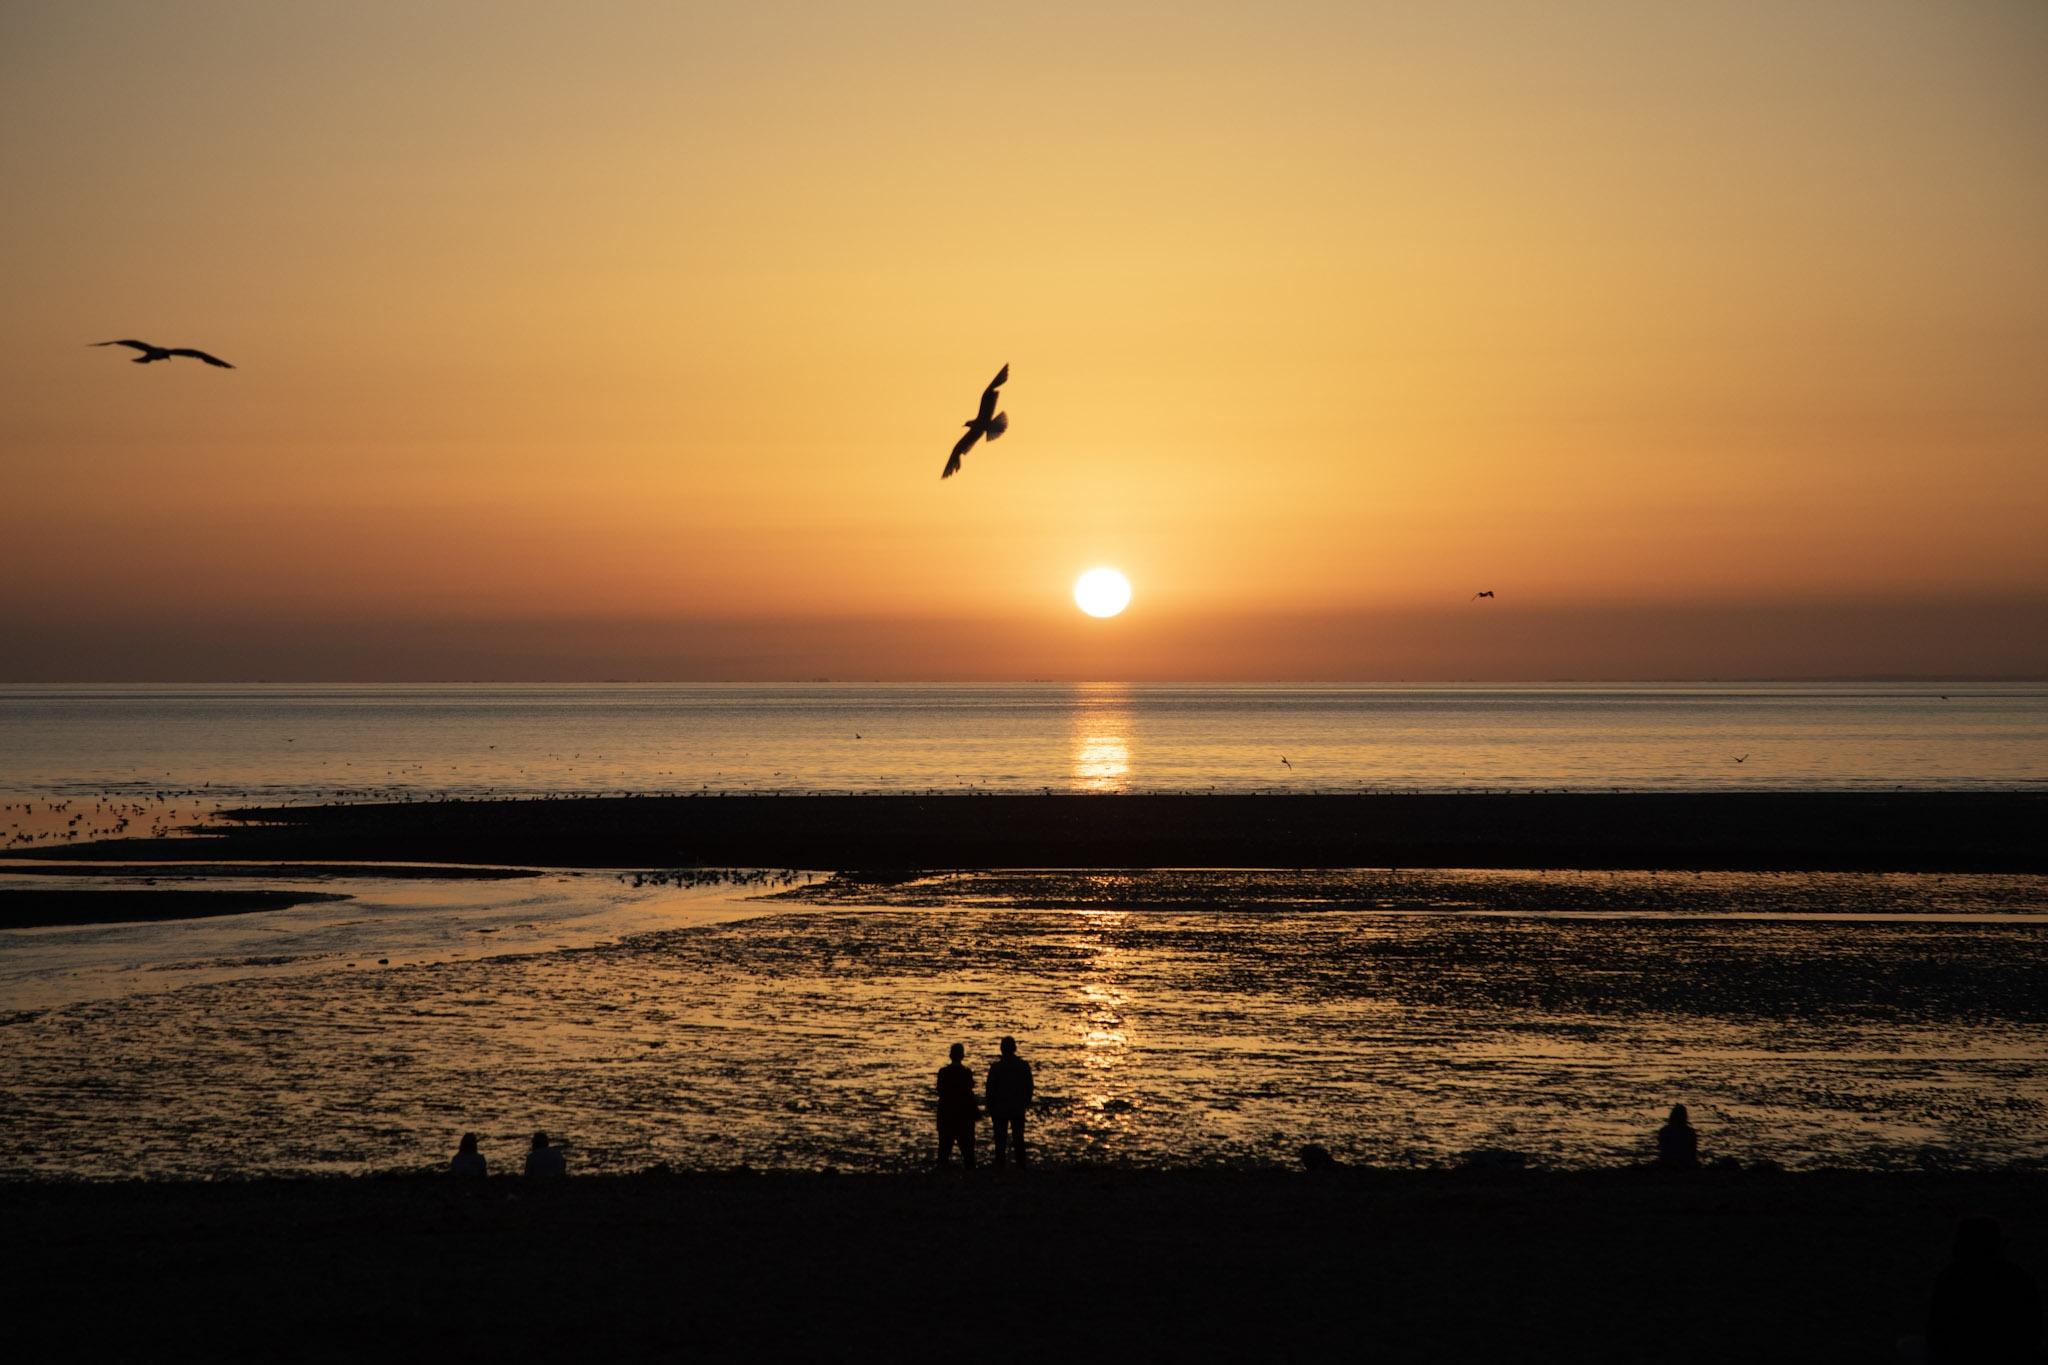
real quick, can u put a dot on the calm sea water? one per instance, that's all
(304, 743)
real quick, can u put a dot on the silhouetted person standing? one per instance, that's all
(543, 1160)
(467, 1161)
(1678, 1143)
(1009, 1095)
(957, 1111)
(1985, 1308)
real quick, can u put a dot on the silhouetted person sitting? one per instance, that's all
(543, 1160)
(467, 1159)
(1008, 1094)
(1678, 1143)
(957, 1111)
(1985, 1308)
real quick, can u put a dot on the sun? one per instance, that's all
(1102, 592)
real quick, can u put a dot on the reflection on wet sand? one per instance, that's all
(1104, 1043)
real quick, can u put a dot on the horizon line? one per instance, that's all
(1901, 679)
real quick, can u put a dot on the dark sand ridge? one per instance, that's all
(17, 865)
(1072, 1263)
(38, 908)
(1840, 831)
(43, 907)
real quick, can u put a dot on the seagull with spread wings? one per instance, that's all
(152, 352)
(987, 422)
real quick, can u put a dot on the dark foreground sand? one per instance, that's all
(1062, 1265)
(1813, 831)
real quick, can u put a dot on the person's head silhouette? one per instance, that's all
(957, 1051)
(540, 1140)
(1009, 1046)
(468, 1143)
(1679, 1118)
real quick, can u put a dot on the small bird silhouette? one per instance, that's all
(1743, 759)
(1283, 759)
(1477, 595)
(987, 422)
(152, 352)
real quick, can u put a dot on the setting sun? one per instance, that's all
(1102, 592)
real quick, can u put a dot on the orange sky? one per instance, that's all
(633, 341)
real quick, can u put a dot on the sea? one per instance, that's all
(782, 1018)
(308, 743)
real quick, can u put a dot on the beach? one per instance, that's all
(1479, 1004)
(1615, 1266)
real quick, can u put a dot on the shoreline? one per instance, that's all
(1995, 832)
(1532, 1265)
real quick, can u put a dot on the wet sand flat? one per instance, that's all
(1063, 1264)
(1402, 1020)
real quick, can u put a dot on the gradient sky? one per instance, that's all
(628, 339)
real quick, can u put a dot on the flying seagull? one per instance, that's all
(1477, 595)
(987, 422)
(150, 353)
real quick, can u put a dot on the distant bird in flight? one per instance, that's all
(150, 353)
(1743, 759)
(1477, 595)
(1283, 759)
(987, 422)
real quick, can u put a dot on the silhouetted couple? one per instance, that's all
(542, 1159)
(1007, 1094)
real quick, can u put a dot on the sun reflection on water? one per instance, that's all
(1102, 763)
(1102, 747)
